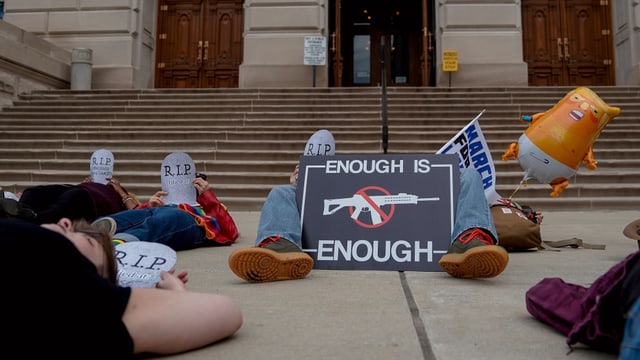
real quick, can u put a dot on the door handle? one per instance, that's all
(199, 58)
(333, 42)
(560, 56)
(206, 51)
(566, 48)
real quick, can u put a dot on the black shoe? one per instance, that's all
(10, 208)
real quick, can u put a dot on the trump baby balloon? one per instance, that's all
(560, 139)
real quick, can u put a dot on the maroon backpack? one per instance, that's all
(588, 315)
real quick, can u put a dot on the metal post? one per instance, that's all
(385, 126)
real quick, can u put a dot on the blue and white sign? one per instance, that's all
(473, 151)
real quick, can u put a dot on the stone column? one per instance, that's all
(626, 30)
(488, 38)
(81, 60)
(274, 34)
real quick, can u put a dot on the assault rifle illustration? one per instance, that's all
(331, 206)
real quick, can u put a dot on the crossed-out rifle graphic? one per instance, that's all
(371, 204)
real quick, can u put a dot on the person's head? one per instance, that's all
(95, 244)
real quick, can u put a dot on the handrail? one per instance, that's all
(383, 83)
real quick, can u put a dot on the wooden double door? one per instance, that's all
(199, 43)
(568, 42)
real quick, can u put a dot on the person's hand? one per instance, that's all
(156, 199)
(87, 179)
(201, 185)
(293, 179)
(115, 184)
(170, 281)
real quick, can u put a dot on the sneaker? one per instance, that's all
(106, 223)
(473, 255)
(276, 258)
(10, 208)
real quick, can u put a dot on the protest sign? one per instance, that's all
(140, 262)
(176, 175)
(473, 151)
(101, 166)
(377, 212)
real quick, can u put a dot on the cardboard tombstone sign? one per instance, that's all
(177, 173)
(140, 263)
(10, 195)
(101, 165)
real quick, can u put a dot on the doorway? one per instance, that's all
(199, 43)
(568, 42)
(372, 39)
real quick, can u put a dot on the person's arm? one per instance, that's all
(206, 197)
(170, 281)
(155, 200)
(129, 201)
(170, 322)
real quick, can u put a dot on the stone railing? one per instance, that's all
(29, 63)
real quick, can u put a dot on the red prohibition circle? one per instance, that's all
(373, 207)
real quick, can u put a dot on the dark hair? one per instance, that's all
(110, 269)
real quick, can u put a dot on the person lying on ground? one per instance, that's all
(278, 255)
(179, 226)
(87, 200)
(67, 298)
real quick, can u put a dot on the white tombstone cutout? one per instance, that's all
(177, 174)
(101, 166)
(10, 195)
(140, 263)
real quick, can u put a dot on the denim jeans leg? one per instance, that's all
(280, 215)
(473, 209)
(630, 347)
(167, 225)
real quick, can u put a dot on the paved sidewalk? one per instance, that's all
(407, 315)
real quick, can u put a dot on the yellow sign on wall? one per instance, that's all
(450, 60)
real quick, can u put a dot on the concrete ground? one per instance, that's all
(407, 315)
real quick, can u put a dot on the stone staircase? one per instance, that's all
(247, 140)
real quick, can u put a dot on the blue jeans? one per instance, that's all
(280, 214)
(167, 225)
(630, 347)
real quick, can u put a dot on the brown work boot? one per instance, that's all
(473, 255)
(276, 258)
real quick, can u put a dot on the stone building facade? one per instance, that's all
(492, 42)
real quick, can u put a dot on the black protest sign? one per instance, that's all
(377, 212)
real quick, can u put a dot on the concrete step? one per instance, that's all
(248, 140)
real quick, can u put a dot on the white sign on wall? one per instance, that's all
(315, 50)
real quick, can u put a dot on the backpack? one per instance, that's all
(592, 315)
(518, 229)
